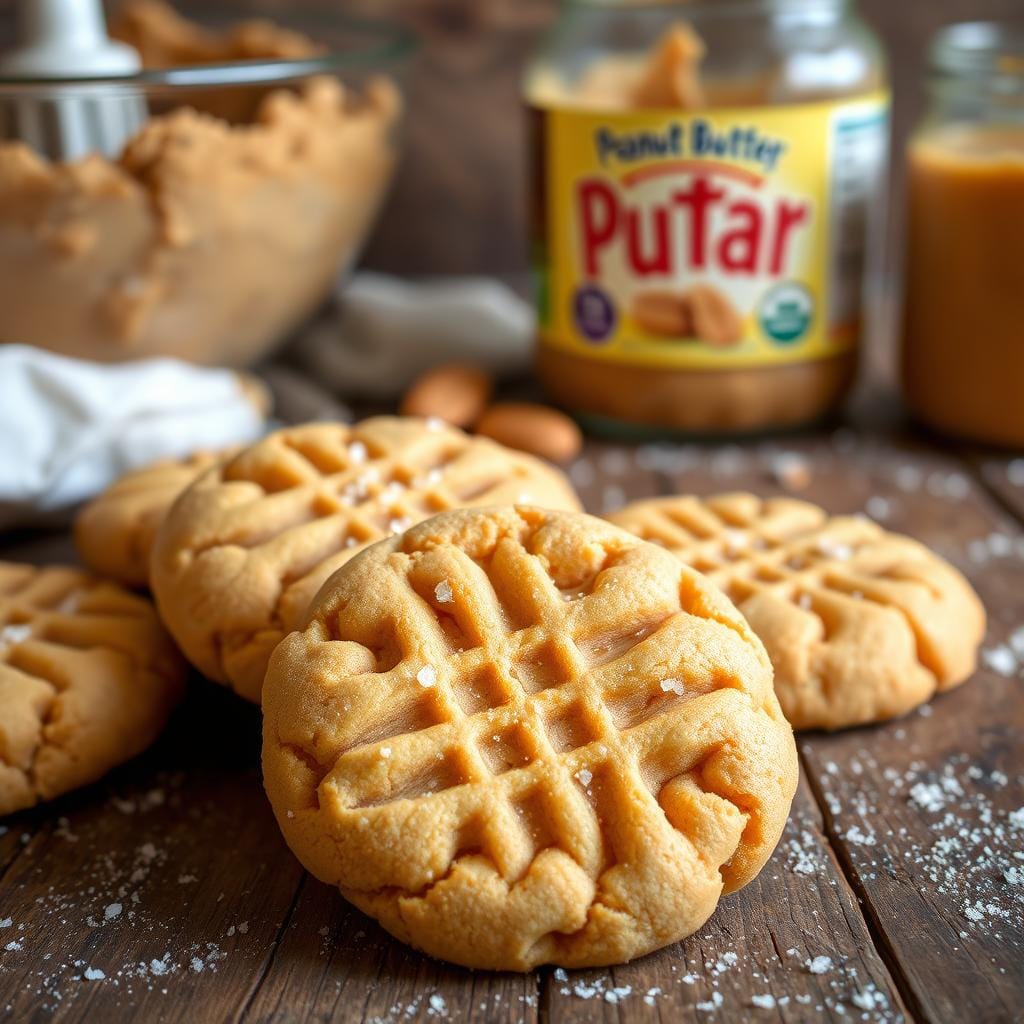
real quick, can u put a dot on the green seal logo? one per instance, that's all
(786, 313)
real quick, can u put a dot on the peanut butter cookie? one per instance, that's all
(88, 678)
(114, 533)
(861, 625)
(519, 737)
(242, 553)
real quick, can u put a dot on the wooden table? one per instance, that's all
(896, 893)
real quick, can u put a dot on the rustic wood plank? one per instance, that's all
(923, 828)
(169, 877)
(606, 474)
(14, 837)
(333, 963)
(753, 958)
(287, 968)
(1003, 475)
(896, 796)
(921, 810)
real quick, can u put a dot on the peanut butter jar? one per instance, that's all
(963, 354)
(707, 177)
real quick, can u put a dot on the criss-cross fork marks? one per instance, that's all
(62, 631)
(377, 482)
(518, 691)
(325, 492)
(281, 517)
(784, 561)
(786, 548)
(65, 609)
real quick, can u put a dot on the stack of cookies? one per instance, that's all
(513, 733)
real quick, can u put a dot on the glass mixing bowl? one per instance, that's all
(245, 189)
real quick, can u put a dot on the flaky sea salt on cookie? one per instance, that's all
(520, 737)
(861, 625)
(88, 678)
(241, 554)
(115, 532)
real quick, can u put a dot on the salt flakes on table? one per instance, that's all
(819, 964)
(878, 508)
(792, 471)
(973, 858)
(1002, 660)
(711, 1004)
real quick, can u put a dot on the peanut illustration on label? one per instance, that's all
(700, 313)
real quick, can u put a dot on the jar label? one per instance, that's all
(712, 240)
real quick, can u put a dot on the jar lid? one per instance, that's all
(981, 50)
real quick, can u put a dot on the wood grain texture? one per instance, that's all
(900, 839)
(169, 877)
(752, 959)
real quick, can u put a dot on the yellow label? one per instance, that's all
(712, 240)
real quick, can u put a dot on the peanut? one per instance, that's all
(663, 314)
(537, 429)
(454, 392)
(715, 319)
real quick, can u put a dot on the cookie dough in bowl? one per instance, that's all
(226, 218)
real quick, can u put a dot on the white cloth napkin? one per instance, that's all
(68, 428)
(389, 331)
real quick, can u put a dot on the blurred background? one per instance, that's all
(458, 203)
(459, 200)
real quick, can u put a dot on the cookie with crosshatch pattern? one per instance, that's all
(519, 737)
(861, 625)
(88, 678)
(115, 532)
(244, 550)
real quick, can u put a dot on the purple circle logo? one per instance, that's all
(594, 313)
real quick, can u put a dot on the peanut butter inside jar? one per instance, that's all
(963, 356)
(689, 213)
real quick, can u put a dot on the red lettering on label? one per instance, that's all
(739, 246)
(703, 226)
(699, 197)
(659, 261)
(599, 216)
(791, 215)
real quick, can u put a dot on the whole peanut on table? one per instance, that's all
(537, 429)
(457, 393)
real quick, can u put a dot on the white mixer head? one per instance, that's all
(68, 39)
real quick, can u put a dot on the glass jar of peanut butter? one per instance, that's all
(963, 352)
(706, 178)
